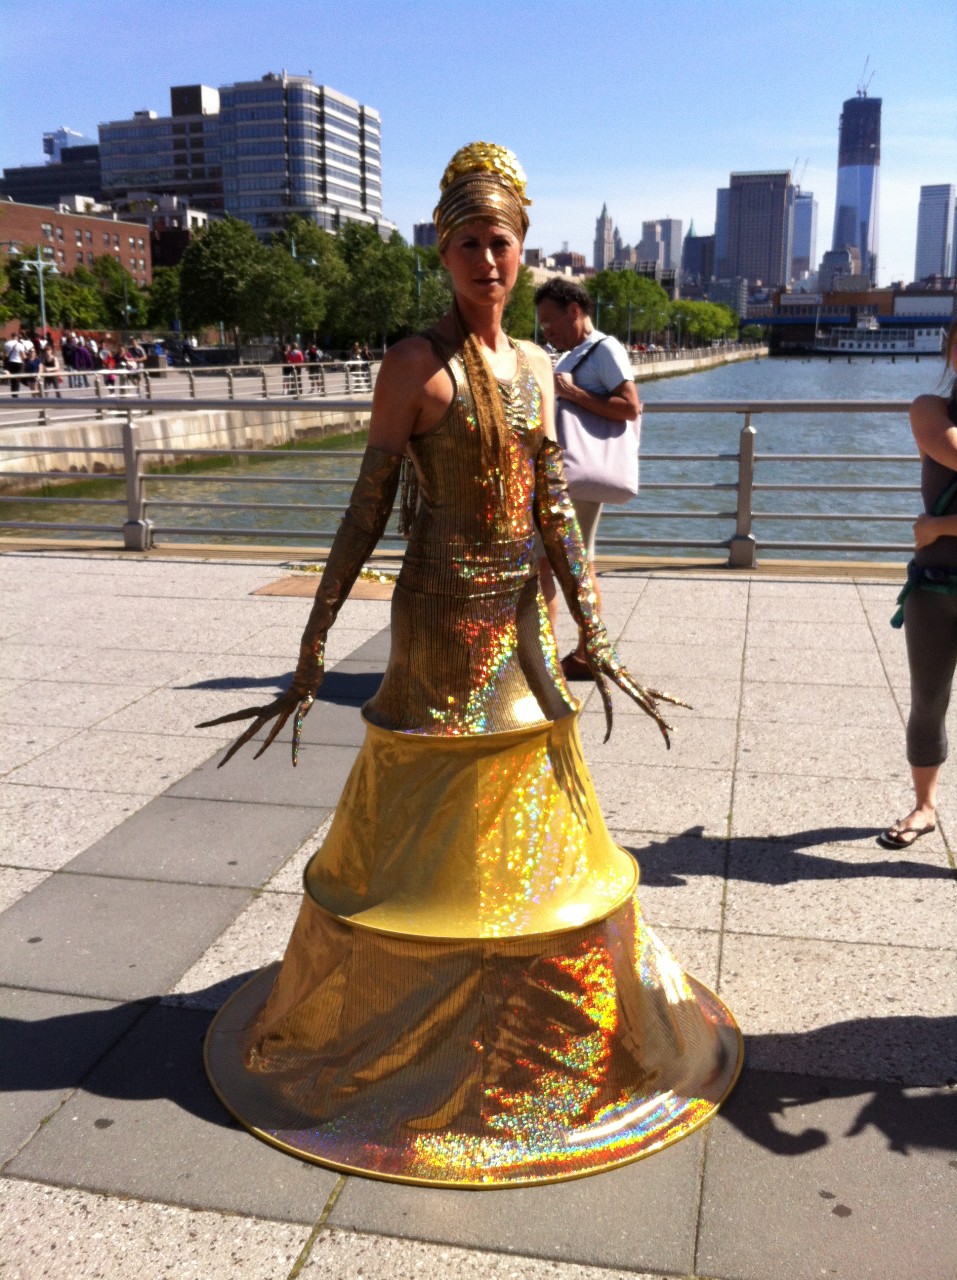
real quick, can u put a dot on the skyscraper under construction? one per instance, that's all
(858, 165)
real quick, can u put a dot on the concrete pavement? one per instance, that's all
(139, 885)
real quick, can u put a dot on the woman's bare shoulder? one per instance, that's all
(410, 356)
(929, 413)
(537, 358)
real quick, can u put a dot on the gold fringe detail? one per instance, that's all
(409, 497)
(489, 411)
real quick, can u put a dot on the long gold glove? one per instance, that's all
(555, 517)
(362, 527)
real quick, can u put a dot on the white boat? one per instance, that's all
(869, 338)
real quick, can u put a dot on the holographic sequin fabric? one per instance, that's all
(470, 997)
(472, 651)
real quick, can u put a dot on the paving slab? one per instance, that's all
(640, 1217)
(681, 877)
(663, 799)
(809, 1178)
(315, 783)
(48, 1043)
(201, 842)
(662, 628)
(825, 705)
(351, 1255)
(697, 742)
(846, 894)
(113, 938)
(71, 665)
(852, 1010)
(15, 882)
(844, 751)
(767, 664)
(288, 879)
(830, 637)
(24, 743)
(781, 806)
(124, 763)
(257, 937)
(146, 1123)
(45, 702)
(45, 827)
(47, 1232)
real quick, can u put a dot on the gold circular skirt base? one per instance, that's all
(476, 1067)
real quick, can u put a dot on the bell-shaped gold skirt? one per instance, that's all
(470, 996)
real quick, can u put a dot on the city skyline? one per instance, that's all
(651, 126)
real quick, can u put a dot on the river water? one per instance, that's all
(643, 519)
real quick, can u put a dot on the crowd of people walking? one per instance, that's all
(33, 367)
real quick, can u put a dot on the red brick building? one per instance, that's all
(74, 239)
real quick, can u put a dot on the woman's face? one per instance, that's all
(483, 259)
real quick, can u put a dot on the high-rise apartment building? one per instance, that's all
(661, 242)
(721, 207)
(259, 150)
(697, 258)
(935, 232)
(760, 227)
(804, 245)
(604, 240)
(858, 170)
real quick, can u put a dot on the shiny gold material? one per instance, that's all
(486, 157)
(566, 554)
(474, 1063)
(362, 526)
(534, 856)
(472, 649)
(482, 181)
(470, 997)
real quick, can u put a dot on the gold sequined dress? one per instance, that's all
(470, 996)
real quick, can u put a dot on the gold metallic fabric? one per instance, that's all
(474, 1063)
(490, 835)
(483, 181)
(472, 649)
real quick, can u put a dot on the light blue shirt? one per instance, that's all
(604, 371)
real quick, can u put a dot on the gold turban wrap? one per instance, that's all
(482, 180)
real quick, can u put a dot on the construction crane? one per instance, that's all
(862, 84)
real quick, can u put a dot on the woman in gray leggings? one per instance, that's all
(930, 605)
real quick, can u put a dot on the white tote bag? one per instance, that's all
(601, 455)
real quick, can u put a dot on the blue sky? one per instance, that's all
(646, 105)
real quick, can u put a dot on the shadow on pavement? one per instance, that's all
(669, 861)
(160, 1057)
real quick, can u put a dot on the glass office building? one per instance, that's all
(858, 169)
(260, 150)
(290, 146)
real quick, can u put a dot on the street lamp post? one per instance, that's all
(39, 266)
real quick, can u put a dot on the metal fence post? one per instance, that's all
(138, 531)
(262, 370)
(192, 384)
(230, 386)
(742, 544)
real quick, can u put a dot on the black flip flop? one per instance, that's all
(894, 836)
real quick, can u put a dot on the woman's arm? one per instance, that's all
(412, 392)
(928, 529)
(933, 430)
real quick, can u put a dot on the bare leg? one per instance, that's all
(924, 812)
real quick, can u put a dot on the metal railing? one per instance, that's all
(32, 396)
(735, 475)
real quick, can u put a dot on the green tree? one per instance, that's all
(215, 272)
(753, 333)
(519, 317)
(379, 300)
(625, 301)
(433, 288)
(280, 298)
(124, 302)
(22, 293)
(81, 302)
(164, 302)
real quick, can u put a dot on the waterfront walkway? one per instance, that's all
(139, 885)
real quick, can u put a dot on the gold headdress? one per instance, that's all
(482, 180)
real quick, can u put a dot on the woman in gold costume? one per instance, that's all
(470, 996)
